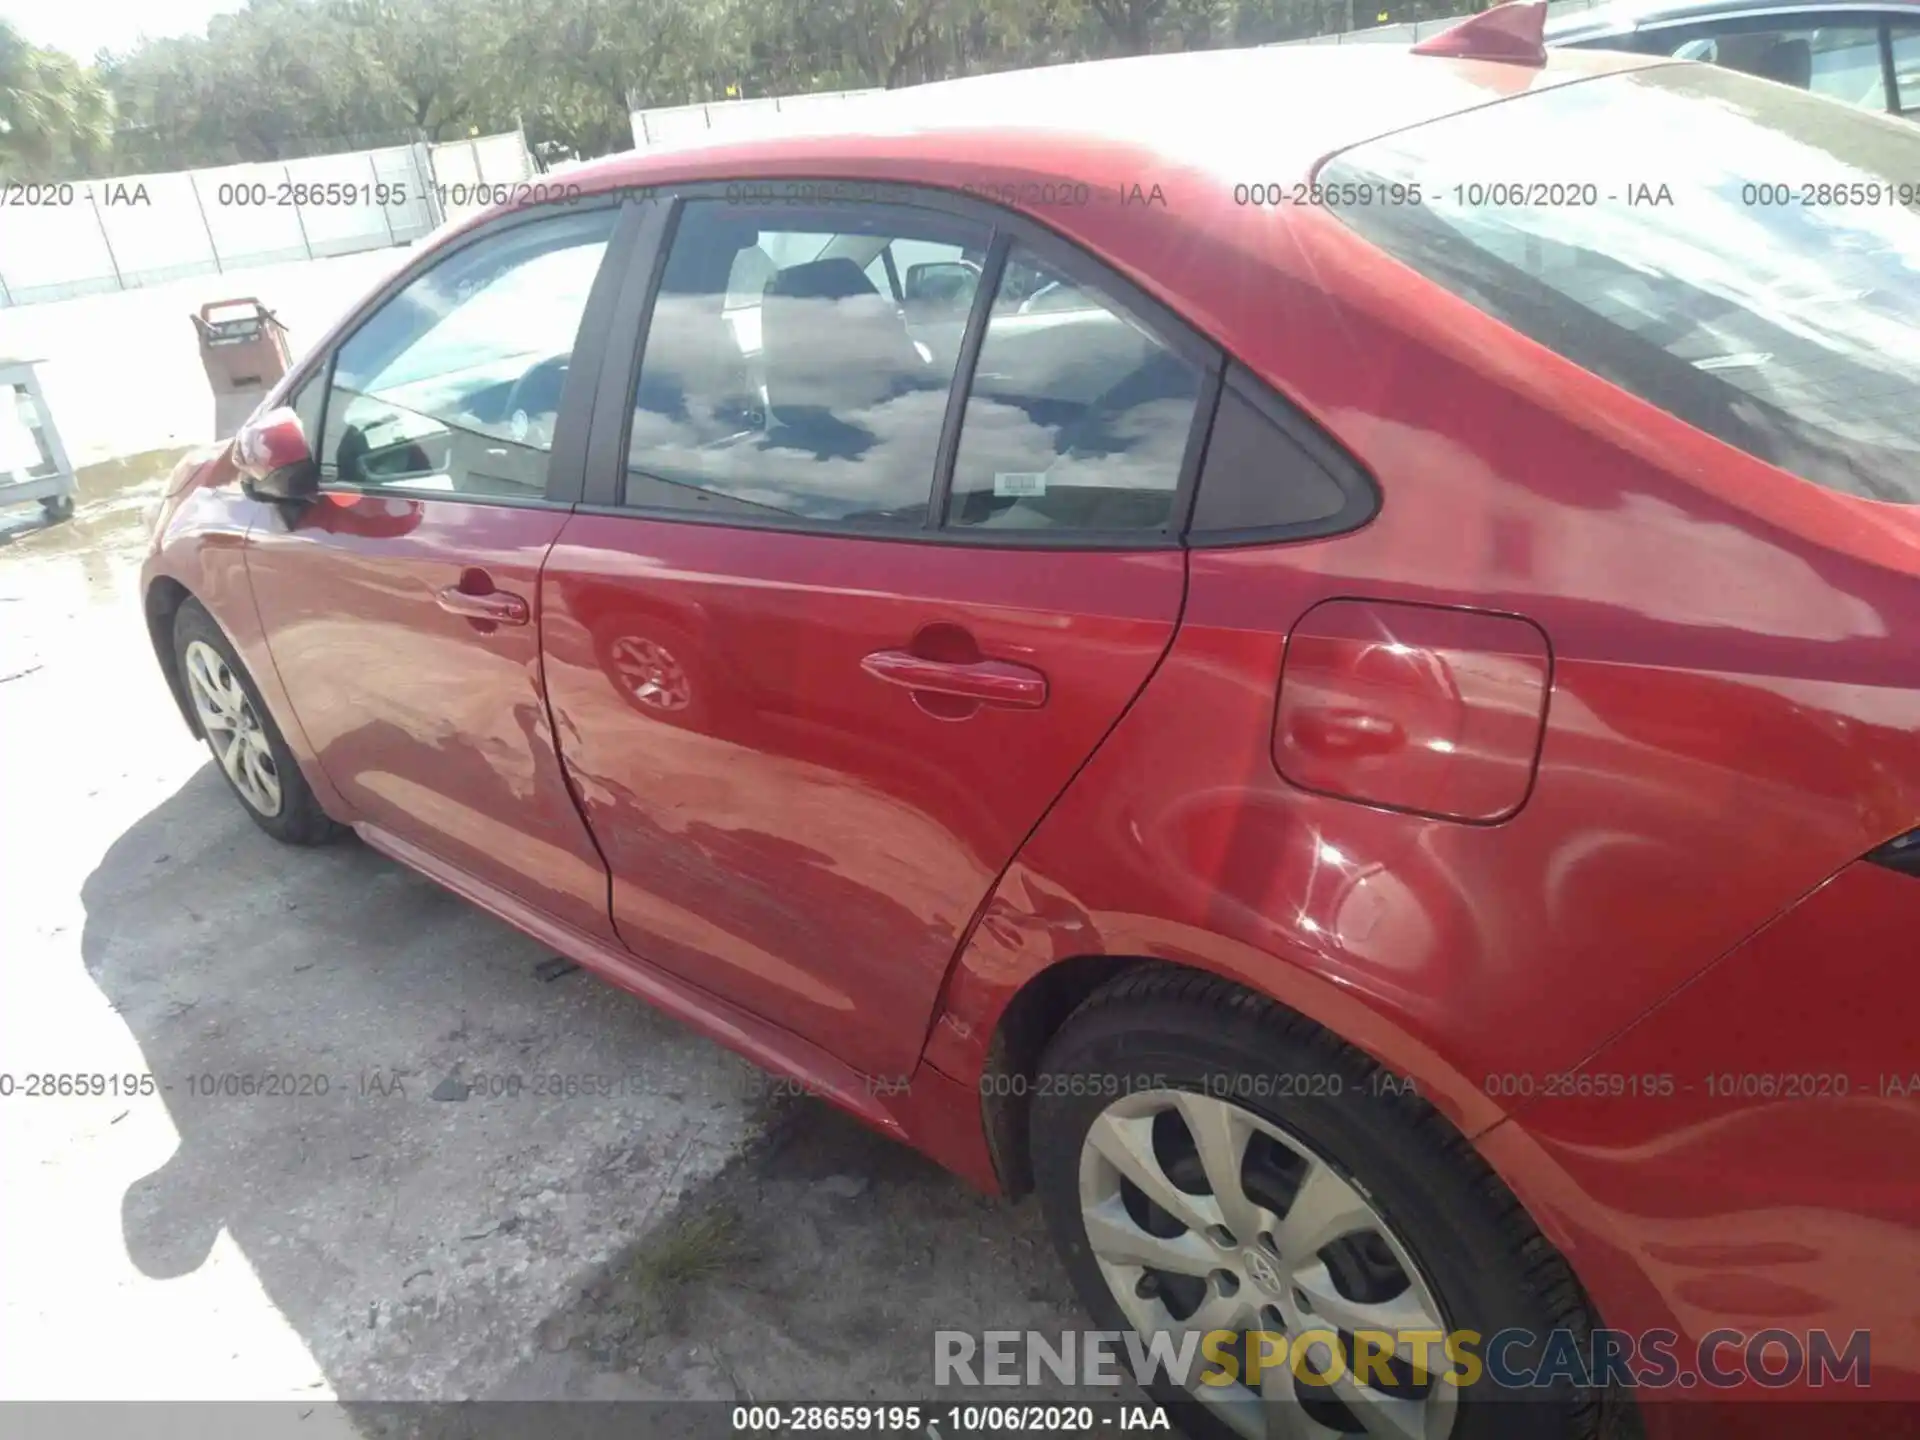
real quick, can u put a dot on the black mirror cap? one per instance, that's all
(1902, 854)
(297, 483)
(941, 282)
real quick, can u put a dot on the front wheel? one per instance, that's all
(1213, 1166)
(240, 732)
(57, 508)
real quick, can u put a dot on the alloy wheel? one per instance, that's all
(1203, 1216)
(233, 730)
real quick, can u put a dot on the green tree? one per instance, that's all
(441, 64)
(577, 62)
(56, 117)
(281, 78)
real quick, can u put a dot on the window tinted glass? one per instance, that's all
(1694, 273)
(453, 386)
(307, 402)
(779, 378)
(1906, 67)
(1259, 477)
(1838, 61)
(917, 271)
(1077, 417)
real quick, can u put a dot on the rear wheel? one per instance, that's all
(238, 729)
(57, 508)
(1212, 1164)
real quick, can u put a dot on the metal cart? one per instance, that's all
(33, 462)
(243, 348)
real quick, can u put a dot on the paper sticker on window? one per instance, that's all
(1016, 483)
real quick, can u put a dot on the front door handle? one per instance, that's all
(991, 682)
(500, 606)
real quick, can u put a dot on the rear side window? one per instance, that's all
(1078, 416)
(782, 377)
(1745, 256)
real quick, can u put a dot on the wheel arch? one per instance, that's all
(222, 591)
(1047, 997)
(1529, 1220)
(1025, 1016)
(163, 600)
(1032, 1017)
(1026, 967)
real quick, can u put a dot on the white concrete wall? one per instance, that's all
(141, 230)
(724, 119)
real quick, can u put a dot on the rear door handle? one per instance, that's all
(991, 682)
(500, 606)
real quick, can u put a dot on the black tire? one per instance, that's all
(57, 508)
(299, 819)
(1485, 1263)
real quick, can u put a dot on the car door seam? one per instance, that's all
(965, 939)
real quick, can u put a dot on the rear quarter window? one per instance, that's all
(1743, 255)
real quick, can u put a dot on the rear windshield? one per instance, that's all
(1744, 255)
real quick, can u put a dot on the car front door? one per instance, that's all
(401, 604)
(860, 584)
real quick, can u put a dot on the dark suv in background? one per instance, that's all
(1864, 55)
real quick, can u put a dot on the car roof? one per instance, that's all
(1626, 15)
(1267, 113)
(1179, 131)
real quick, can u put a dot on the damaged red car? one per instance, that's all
(1311, 653)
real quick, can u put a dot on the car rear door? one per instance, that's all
(401, 605)
(859, 583)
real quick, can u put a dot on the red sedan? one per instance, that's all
(1313, 654)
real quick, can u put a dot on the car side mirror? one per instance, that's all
(941, 285)
(273, 457)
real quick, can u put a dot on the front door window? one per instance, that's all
(453, 386)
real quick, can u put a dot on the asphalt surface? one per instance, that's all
(357, 1139)
(291, 1210)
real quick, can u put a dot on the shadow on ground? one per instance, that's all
(817, 1266)
(357, 1063)
(458, 1170)
(332, 1036)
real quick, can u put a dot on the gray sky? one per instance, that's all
(81, 27)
